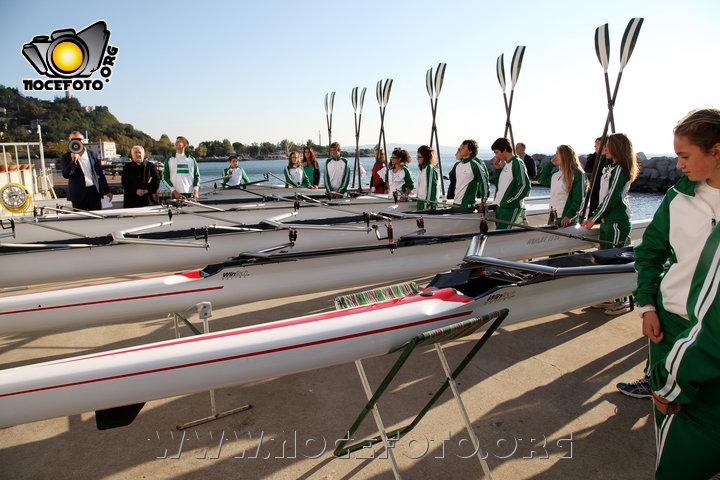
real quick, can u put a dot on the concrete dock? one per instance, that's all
(540, 394)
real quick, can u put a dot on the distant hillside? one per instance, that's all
(62, 115)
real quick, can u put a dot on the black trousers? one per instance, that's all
(90, 202)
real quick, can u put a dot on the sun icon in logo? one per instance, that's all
(67, 56)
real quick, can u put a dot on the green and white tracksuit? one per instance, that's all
(614, 207)
(513, 187)
(337, 175)
(181, 174)
(400, 181)
(427, 187)
(469, 181)
(236, 176)
(295, 177)
(685, 366)
(566, 204)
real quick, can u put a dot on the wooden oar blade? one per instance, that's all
(602, 45)
(378, 92)
(516, 64)
(439, 77)
(500, 66)
(429, 82)
(632, 31)
(354, 98)
(386, 92)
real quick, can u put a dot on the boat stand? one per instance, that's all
(432, 337)
(204, 310)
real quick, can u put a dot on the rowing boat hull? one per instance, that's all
(252, 281)
(119, 259)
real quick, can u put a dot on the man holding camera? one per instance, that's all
(86, 181)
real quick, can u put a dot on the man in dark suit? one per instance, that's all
(529, 161)
(86, 182)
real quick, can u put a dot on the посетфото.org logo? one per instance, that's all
(70, 57)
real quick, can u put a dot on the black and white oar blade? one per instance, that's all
(439, 77)
(500, 66)
(632, 31)
(602, 45)
(429, 82)
(378, 92)
(362, 98)
(516, 64)
(354, 98)
(332, 101)
(386, 90)
(326, 103)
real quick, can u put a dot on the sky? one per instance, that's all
(254, 71)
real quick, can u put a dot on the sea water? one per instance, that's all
(643, 205)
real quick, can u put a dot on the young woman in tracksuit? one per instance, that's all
(567, 187)
(311, 168)
(513, 184)
(680, 305)
(294, 173)
(428, 180)
(614, 208)
(400, 179)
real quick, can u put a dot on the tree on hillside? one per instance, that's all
(227, 148)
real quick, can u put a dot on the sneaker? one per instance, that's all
(637, 389)
(603, 305)
(617, 308)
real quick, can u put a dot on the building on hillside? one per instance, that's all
(103, 150)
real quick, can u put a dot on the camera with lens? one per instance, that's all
(66, 53)
(75, 145)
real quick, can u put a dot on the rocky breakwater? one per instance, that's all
(657, 174)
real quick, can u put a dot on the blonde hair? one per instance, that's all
(621, 151)
(569, 164)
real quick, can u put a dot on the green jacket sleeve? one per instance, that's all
(432, 184)
(545, 176)
(483, 191)
(196, 173)
(694, 359)
(519, 188)
(652, 253)
(166, 174)
(288, 180)
(225, 179)
(573, 204)
(326, 177)
(409, 182)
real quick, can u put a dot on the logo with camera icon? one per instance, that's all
(67, 58)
